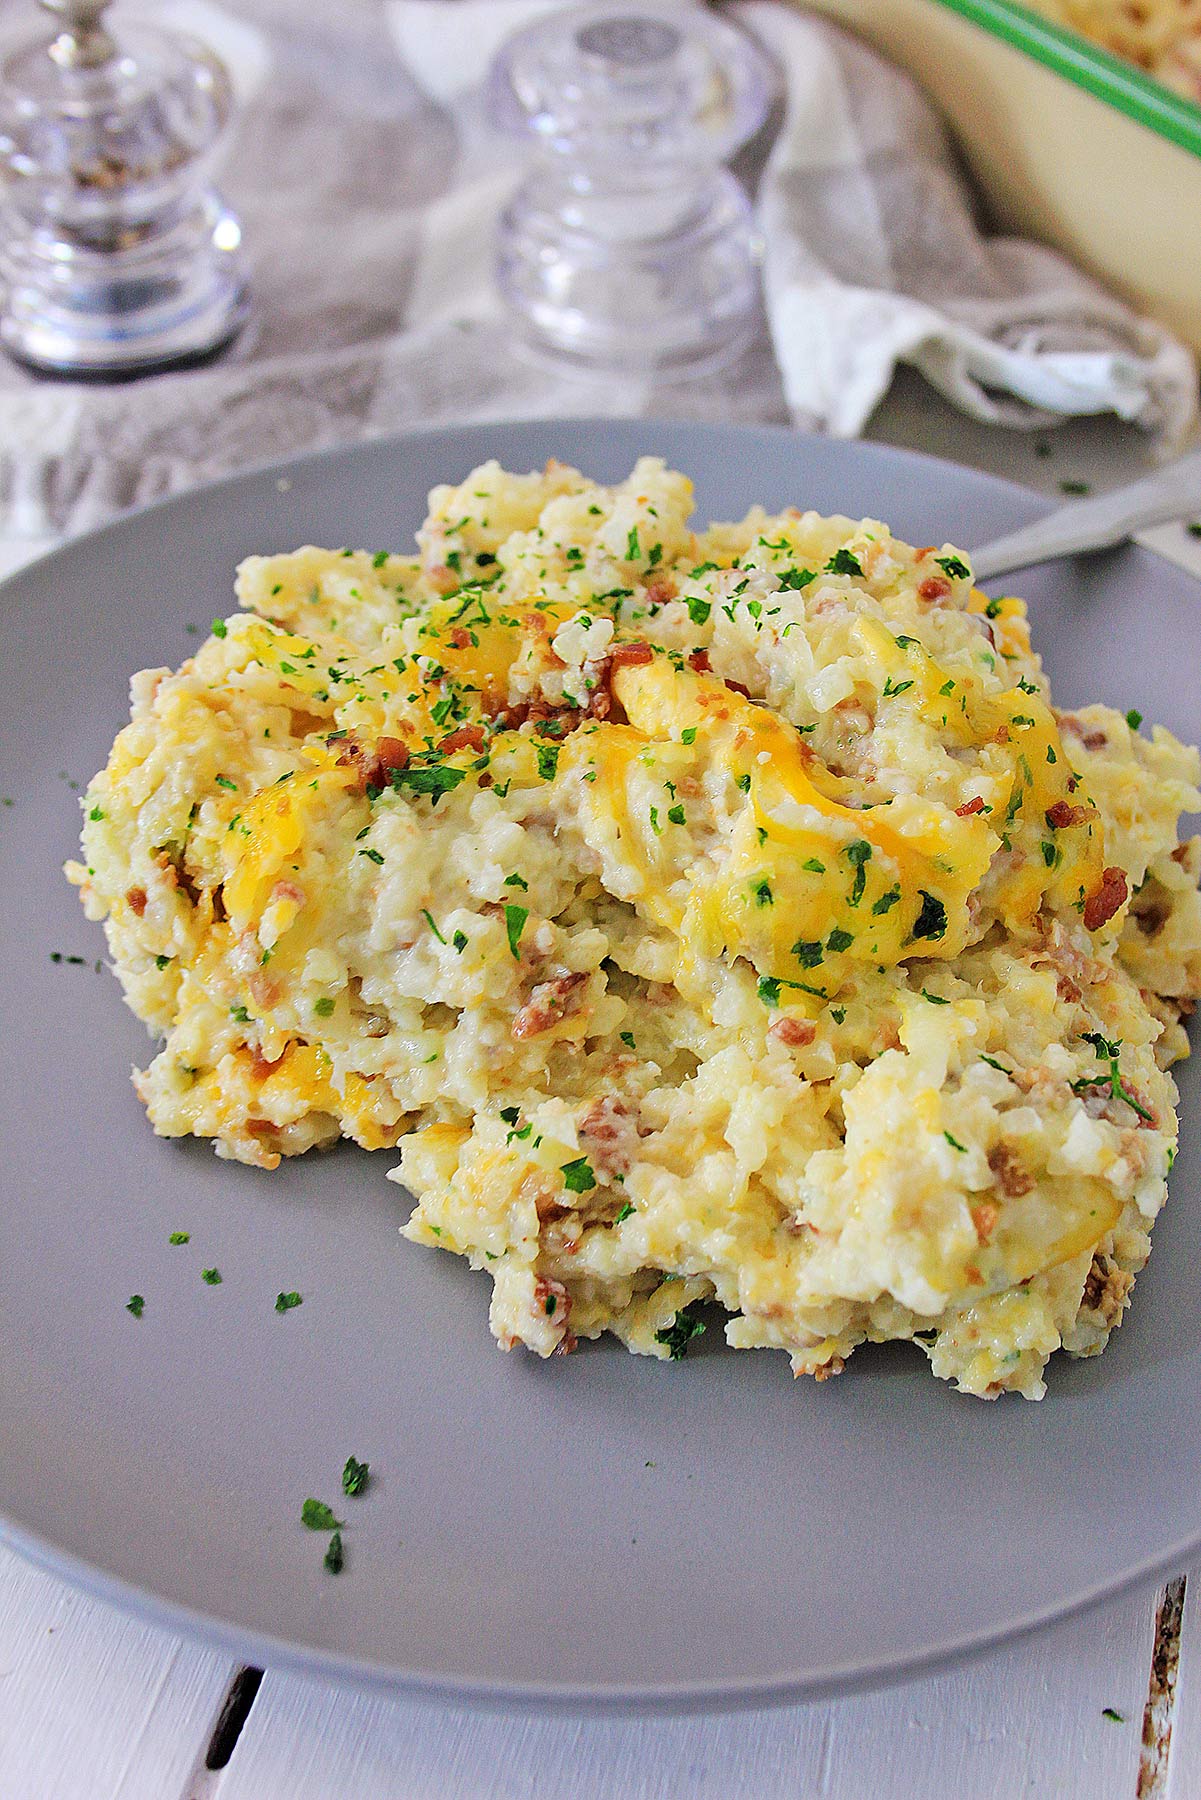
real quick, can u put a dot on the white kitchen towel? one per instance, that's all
(369, 182)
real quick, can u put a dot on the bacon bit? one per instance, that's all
(920, 555)
(467, 737)
(263, 991)
(458, 638)
(373, 768)
(1001, 735)
(1104, 901)
(1067, 989)
(699, 660)
(738, 688)
(934, 587)
(1180, 854)
(969, 807)
(1091, 739)
(545, 1006)
(1063, 814)
(661, 590)
(628, 655)
(984, 1216)
(287, 890)
(137, 900)
(261, 1128)
(1105, 1288)
(1009, 1171)
(825, 1371)
(609, 1131)
(793, 1032)
(551, 1299)
(1073, 783)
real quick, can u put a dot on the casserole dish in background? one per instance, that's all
(1069, 144)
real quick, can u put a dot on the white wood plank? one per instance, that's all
(93, 1705)
(1184, 1766)
(1026, 1720)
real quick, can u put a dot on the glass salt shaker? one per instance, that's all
(629, 246)
(119, 256)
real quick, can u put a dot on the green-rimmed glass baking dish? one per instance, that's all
(1068, 143)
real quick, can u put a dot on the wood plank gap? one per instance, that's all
(1160, 1711)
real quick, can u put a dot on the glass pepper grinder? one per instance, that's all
(629, 246)
(118, 255)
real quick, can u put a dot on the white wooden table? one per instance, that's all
(96, 1706)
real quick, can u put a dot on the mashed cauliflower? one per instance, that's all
(708, 917)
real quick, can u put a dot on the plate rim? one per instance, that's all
(586, 1698)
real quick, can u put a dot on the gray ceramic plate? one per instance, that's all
(600, 1529)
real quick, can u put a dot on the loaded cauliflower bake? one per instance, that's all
(724, 916)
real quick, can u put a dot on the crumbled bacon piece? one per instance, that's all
(699, 660)
(373, 767)
(608, 1131)
(934, 587)
(1009, 1171)
(137, 900)
(969, 807)
(985, 1214)
(661, 590)
(465, 737)
(793, 1032)
(1105, 900)
(458, 638)
(628, 655)
(1063, 813)
(1092, 739)
(546, 1005)
(738, 688)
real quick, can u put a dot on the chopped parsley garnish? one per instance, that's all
(814, 866)
(954, 1143)
(429, 919)
(435, 780)
(220, 628)
(676, 814)
(625, 1213)
(763, 894)
(97, 812)
(1050, 854)
(319, 1517)
(459, 940)
(1108, 1053)
(577, 1176)
(699, 610)
(515, 918)
(886, 901)
(859, 853)
(679, 1334)
(934, 999)
(323, 1007)
(769, 990)
(955, 567)
(844, 562)
(548, 761)
(333, 1558)
(688, 735)
(1111, 1712)
(839, 940)
(59, 956)
(655, 825)
(1075, 487)
(136, 1304)
(180, 1237)
(160, 962)
(808, 952)
(994, 1064)
(355, 1475)
(225, 782)
(633, 549)
(518, 882)
(1134, 718)
(931, 921)
(373, 855)
(890, 687)
(240, 1014)
(627, 1038)
(286, 1302)
(795, 579)
(992, 609)
(212, 1277)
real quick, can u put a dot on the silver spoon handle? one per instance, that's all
(1170, 493)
